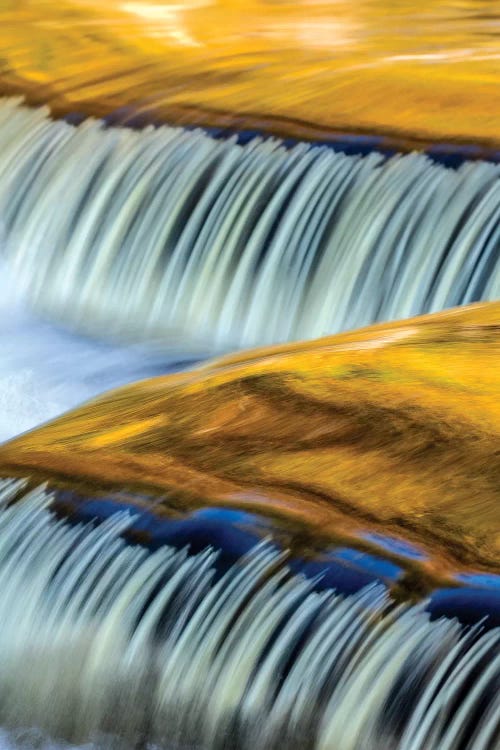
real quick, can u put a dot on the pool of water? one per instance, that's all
(46, 370)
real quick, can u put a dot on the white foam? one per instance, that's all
(101, 639)
(171, 231)
(45, 370)
(34, 739)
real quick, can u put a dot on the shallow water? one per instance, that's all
(30, 739)
(171, 232)
(46, 370)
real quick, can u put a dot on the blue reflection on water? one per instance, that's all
(347, 570)
(395, 546)
(467, 605)
(378, 565)
(233, 533)
(480, 580)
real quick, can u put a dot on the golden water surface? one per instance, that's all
(414, 70)
(394, 429)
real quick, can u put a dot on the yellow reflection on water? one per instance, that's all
(392, 429)
(428, 70)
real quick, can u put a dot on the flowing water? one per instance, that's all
(102, 639)
(46, 370)
(189, 245)
(169, 232)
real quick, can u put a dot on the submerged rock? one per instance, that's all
(386, 433)
(305, 71)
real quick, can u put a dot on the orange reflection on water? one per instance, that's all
(392, 429)
(427, 70)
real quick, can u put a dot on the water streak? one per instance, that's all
(46, 370)
(107, 641)
(168, 230)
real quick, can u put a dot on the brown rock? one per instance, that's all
(392, 429)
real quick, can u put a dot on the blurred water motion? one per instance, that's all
(391, 430)
(170, 232)
(45, 370)
(103, 640)
(418, 71)
(294, 548)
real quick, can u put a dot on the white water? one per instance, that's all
(44, 370)
(100, 639)
(163, 231)
(165, 234)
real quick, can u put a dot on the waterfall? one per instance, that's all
(174, 235)
(102, 639)
(170, 232)
(45, 370)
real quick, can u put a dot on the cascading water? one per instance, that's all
(104, 640)
(174, 235)
(166, 231)
(45, 371)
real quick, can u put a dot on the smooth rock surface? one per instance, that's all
(415, 72)
(390, 430)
